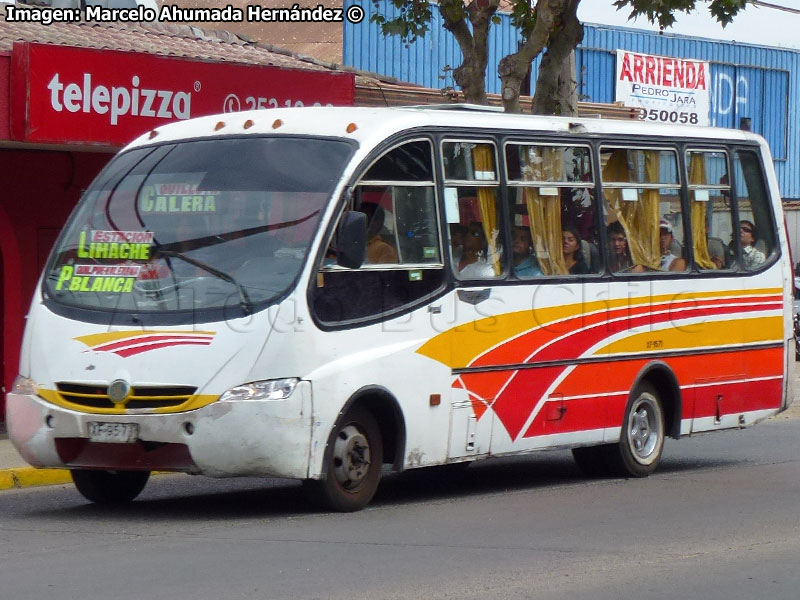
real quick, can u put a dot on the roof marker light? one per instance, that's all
(219, 125)
(352, 127)
(277, 123)
(248, 124)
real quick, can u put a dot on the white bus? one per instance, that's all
(320, 293)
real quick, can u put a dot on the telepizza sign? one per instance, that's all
(671, 90)
(69, 95)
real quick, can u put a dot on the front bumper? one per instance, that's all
(222, 439)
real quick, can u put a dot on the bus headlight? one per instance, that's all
(24, 385)
(274, 389)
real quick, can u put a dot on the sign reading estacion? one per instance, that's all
(671, 90)
(62, 94)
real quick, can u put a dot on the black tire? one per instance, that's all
(354, 458)
(109, 487)
(642, 437)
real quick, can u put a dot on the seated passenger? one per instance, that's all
(669, 262)
(573, 255)
(473, 262)
(378, 251)
(753, 257)
(458, 234)
(525, 263)
(620, 256)
(717, 251)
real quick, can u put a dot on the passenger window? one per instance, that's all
(472, 208)
(397, 195)
(711, 214)
(756, 229)
(403, 261)
(553, 210)
(641, 189)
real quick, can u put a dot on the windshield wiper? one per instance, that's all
(244, 299)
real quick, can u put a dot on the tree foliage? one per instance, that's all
(663, 11)
(547, 27)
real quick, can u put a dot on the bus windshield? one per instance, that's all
(196, 225)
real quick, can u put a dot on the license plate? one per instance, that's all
(113, 433)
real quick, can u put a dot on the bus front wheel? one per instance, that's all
(109, 487)
(353, 465)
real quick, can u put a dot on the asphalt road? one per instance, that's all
(718, 520)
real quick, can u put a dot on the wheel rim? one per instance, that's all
(351, 458)
(645, 429)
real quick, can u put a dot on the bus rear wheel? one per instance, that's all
(353, 465)
(109, 487)
(641, 441)
(642, 438)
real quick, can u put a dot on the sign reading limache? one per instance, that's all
(670, 90)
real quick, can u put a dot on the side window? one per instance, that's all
(403, 262)
(641, 189)
(756, 226)
(711, 214)
(397, 195)
(553, 210)
(472, 209)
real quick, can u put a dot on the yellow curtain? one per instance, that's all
(483, 160)
(639, 219)
(544, 212)
(697, 175)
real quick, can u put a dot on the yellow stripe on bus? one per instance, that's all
(700, 335)
(192, 403)
(98, 339)
(459, 346)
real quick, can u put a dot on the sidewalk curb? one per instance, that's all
(24, 477)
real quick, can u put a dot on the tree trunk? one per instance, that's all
(470, 75)
(514, 68)
(568, 86)
(556, 88)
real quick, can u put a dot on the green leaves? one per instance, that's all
(663, 11)
(412, 22)
(523, 16)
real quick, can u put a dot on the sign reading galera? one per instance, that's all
(671, 90)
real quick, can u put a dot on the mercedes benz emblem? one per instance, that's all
(118, 390)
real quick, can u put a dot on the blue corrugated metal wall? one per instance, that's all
(747, 81)
(424, 61)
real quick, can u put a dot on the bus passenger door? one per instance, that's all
(473, 389)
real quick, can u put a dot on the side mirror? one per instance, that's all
(352, 240)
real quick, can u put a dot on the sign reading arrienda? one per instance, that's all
(70, 95)
(671, 90)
